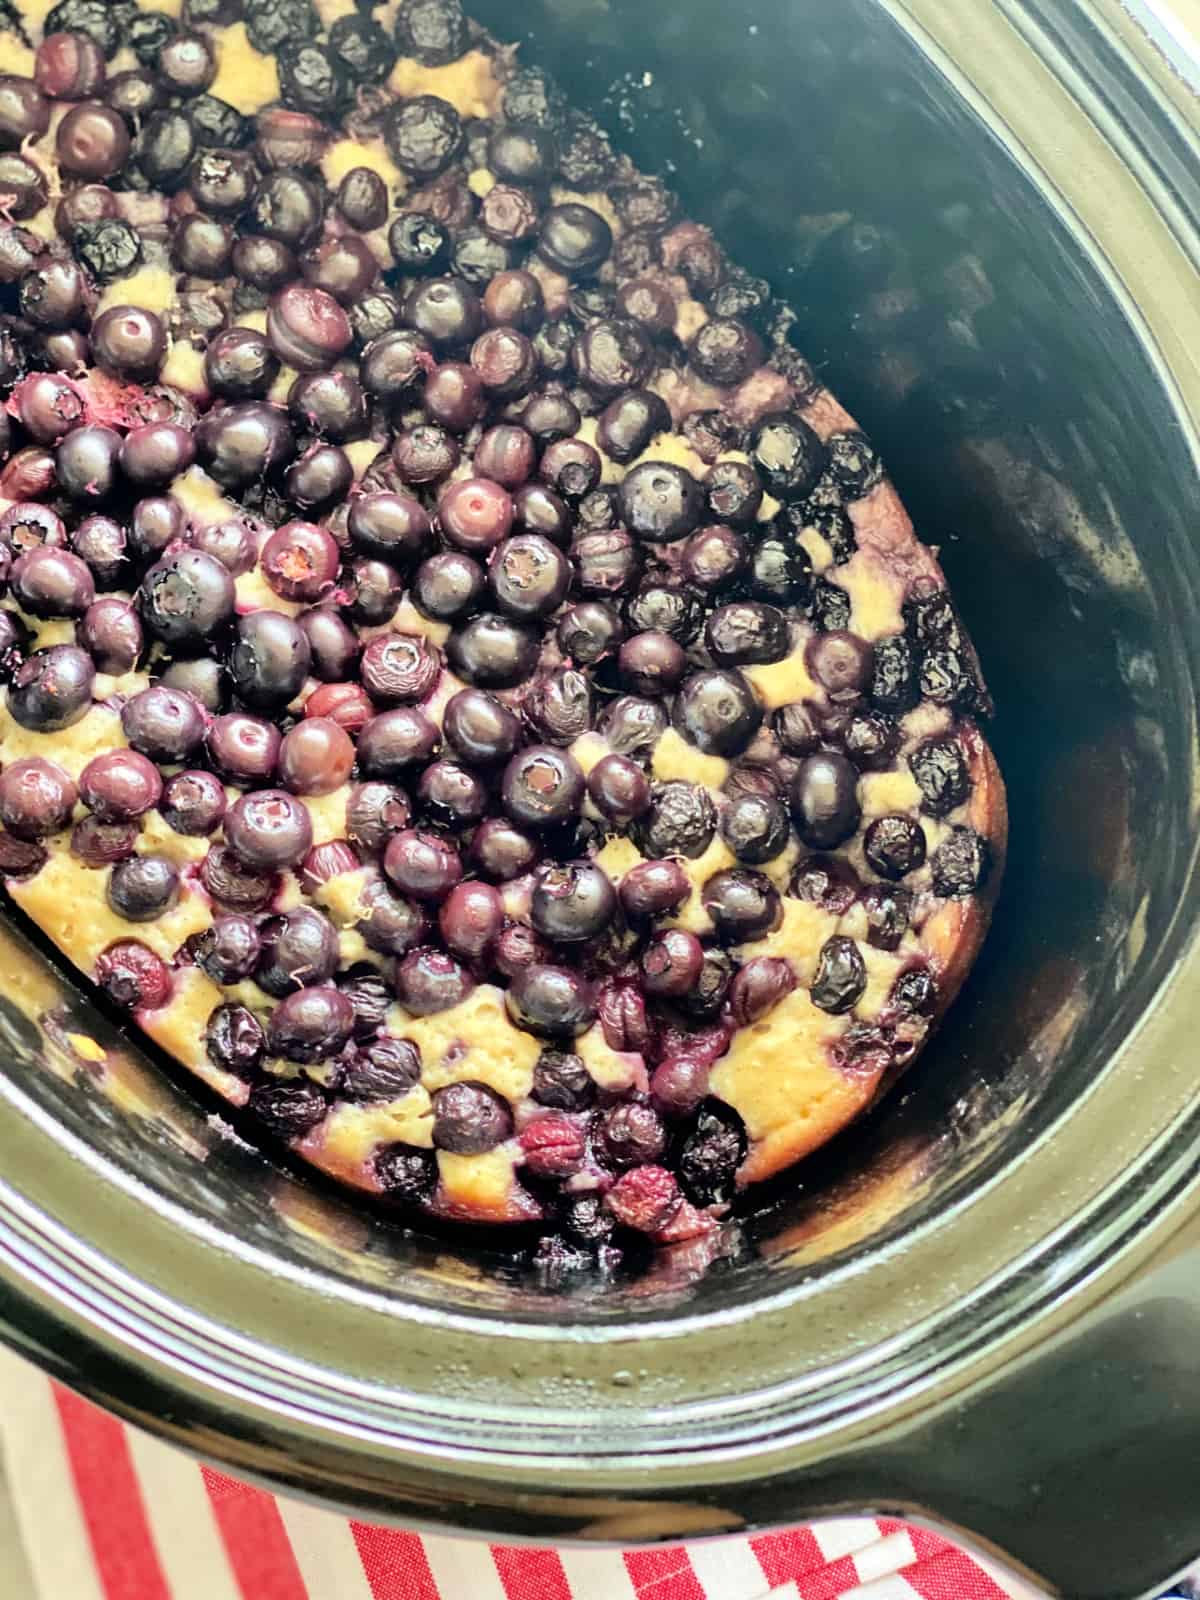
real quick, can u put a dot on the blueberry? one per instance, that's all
(841, 976)
(52, 582)
(234, 884)
(297, 949)
(423, 866)
(652, 888)
(574, 239)
(711, 1154)
(311, 1025)
(502, 851)
(361, 49)
(747, 632)
(423, 135)
(542, 786)
(758, 987)
(470, 1118)
(395, 741)
(612, 354)
(243, 749)
(288, 1109)
(492, 651)
(940, 768)
(186, 599)
(960, 864)
(558, 705)
(371, 996)
(661, 502)
(383, 1069)
(853, 464)
(36, 798)
(572, 902)
(528, 576)
(119, 785)
(433, 32)
(143, 888)
(229, 950)
(550, 1001)
(193, 803)
(419, 243)
(52, 689)
(561, 1081)
(606, 562)
(894, 846)
(428, 981)
(888, 912)
(824, 799)
(631, 1135)
(830, 606)
(399, 668)
(619, 788)
(588, 631)
(666, 608)
(406, 1173)
(915, 992)
(311, 77)
(718, 712)
(779, 570)
(681, 821)
(787, 454)
(743, 905)
(871, 740)
(269, 660)
(531, 96)
(470, 920)
(234, 1040)
(755, 828)
(672, 963)
(269, 829)
(651, 663)
(271, 23)
(892, 680)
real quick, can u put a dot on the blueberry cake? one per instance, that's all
(470, 693)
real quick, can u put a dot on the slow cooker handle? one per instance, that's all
(1079, 1463)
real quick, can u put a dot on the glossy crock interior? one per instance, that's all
(1032, 434)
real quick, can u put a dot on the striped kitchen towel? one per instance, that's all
(104, 1512)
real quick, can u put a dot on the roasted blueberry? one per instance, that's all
(755, 828)
(667, 608)
(681, 821)
(841, 976)
(711, 1154)
(960, 864)
(558, 705)
(894, 846)
(940, 768)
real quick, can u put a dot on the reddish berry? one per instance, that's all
(554, 1147)
(646, 1198)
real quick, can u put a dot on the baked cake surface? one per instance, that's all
(471, 694)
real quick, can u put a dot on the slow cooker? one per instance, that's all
(980, 1308)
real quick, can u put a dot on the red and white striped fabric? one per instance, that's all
(106, 1513)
